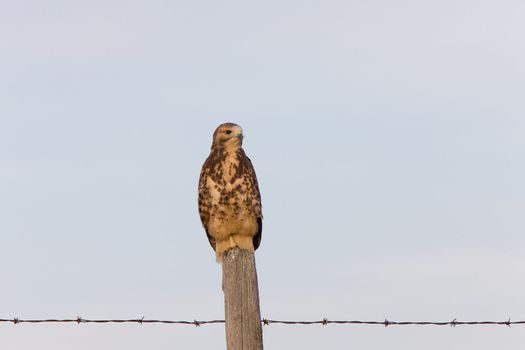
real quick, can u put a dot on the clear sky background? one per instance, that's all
(387, 136)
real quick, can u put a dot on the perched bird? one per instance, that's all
(229, 198)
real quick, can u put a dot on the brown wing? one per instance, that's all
(205, 201)
(256, 200)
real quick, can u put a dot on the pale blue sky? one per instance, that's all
(387, 137)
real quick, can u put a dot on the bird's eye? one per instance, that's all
(228, 132)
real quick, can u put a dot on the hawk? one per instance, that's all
(229, 198)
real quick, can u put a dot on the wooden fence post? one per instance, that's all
(241, 300)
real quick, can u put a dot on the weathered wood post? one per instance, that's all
(241, 300)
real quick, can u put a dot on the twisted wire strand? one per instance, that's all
(264, 321)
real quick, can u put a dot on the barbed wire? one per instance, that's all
(265, 322)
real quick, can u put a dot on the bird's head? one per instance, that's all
(227, 135)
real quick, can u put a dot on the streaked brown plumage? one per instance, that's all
(229, 198)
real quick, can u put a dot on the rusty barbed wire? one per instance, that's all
(265, 322)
